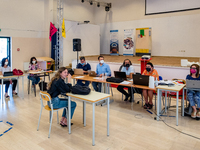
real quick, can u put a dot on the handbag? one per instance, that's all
(115, 80)
(78, 89)
(17, 72)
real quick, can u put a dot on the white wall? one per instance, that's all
(27, 23)
(173, 34)
(90, 40)
(170, 35)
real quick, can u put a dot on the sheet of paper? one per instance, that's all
(79, 77)
(97, 78)
(125, 82)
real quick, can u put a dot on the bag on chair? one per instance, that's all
(17, 72)
(78, 89)
(43, 86)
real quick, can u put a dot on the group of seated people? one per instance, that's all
(57, 84)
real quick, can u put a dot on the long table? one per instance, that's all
(93, 97)
(2, 78)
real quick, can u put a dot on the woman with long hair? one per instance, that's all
(58, 86)
(193, 95)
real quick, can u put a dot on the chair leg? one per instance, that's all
(28, 86)
(49, 116)
(155, 102)
(39, 119)
(57, 118)
(50, 123)
(35, 90)
(122, 97)
(111, 91)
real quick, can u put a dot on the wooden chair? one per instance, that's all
(44, 96)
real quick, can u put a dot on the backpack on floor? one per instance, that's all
(43, 86)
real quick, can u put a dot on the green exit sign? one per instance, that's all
(0, 30)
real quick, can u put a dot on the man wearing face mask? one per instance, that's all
(101, 70)
(86, 67)
(5, 68)
(129, 70)
(150, 71)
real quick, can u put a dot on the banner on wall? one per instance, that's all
(114, 42)
(128, 45)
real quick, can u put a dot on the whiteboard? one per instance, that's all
(167, 6)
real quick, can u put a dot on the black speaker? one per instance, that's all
(76, 45)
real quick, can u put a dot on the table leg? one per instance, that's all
(108, 111)
(23, 87)
(84, 113)
(182, 104)
(93, 124)
(18, 86)
(177, 108)
(2, 97)
(165, 101)
(69, 112)
(158, 104)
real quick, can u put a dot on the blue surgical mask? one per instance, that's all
(82, 63)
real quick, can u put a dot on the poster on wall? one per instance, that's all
(114, 42)
(128, 45)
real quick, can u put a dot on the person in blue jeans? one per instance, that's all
(101, 70)
(58, 86)
(34, 67)
(86, 67)
(193, 95)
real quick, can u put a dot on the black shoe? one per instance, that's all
(126, 99)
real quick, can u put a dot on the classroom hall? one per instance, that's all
(173, 45)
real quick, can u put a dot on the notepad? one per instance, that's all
(79, 77)
(125, 82)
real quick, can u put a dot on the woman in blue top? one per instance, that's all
(193, 95)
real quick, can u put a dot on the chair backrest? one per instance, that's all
(45, 96)
(160, 78)
(120, 68)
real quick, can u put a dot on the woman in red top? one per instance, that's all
(150, 71)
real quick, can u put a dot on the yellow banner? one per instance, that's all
(63, 29)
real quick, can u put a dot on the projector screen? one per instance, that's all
(168, 6)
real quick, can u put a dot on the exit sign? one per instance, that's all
(0, 30)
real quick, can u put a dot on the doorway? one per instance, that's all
(5, 51)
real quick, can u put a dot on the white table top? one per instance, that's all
(92, 97)
(177, 87)
(38, 72)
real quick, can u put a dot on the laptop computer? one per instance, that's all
(140, 80)
(78, 71)
(194, 84)
(92, 73)
(120, 75)
(8, 73)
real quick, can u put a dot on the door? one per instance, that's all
(5, 49)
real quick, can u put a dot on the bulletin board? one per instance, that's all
(143, 41)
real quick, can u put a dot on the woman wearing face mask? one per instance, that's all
(58, 86)
(129, 70)
(150, 71)
(5, 68)
(192, 95)
(34, 66)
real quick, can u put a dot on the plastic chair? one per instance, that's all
(44, 96)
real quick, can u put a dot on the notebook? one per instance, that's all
(195, 84)
(140, 80)
(120, 75)
(9, 73)
(92, 73)
(78, 71)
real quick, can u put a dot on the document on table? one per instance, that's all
(97, 78)
(79, 77)
(125, 82)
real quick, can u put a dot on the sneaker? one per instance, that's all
(7, 96)
(193, 114)
(198, 114)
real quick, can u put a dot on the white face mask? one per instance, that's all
(6, 63)
(101, 61)
(33, 62)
